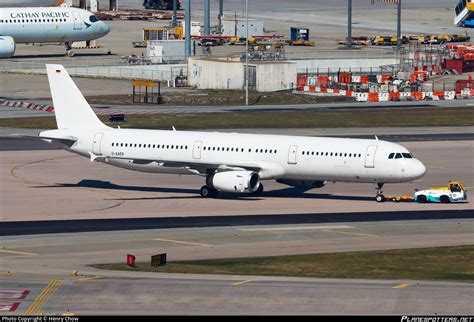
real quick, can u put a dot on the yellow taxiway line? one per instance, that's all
(241, 282)
(36, 308)
(85, 279)
(401, 286)
(181, 242)
(16, 252)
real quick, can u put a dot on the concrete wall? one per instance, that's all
(275, 76)
(343, 64)
(230, 74)
(215, 74)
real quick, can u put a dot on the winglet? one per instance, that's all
(376, 138)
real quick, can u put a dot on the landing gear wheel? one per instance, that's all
(70, 53)
(207, 192)
(259, 190)
(380, 198)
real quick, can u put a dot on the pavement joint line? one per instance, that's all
(404, 285)
(86, 279)
(18, 253)
(348, 233)
(83, 242)
(435, 167)
(241, 282)
(181, 242)
(36, 308)
(297, 228)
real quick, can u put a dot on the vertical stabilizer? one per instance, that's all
(71, 108)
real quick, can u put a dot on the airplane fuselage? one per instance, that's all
(62, 24)
(282, 157)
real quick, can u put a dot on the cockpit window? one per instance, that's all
(391, 155)
(407, 156)
(398, 156)
(93, 19)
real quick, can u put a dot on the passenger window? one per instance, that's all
(391, 155)
(398, 156)
(112, 144)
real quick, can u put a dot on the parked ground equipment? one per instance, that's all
(300, 37)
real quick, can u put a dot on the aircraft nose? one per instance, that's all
(105, 28)
(419, 170)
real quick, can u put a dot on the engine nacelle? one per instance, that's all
(7, 46)
(234, 181)
(305, 184)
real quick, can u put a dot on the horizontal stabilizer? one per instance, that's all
(68, 140)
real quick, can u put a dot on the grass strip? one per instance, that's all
(459, 116)
(438, 263)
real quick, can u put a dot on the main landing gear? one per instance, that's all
(208, 192)
(379, 197)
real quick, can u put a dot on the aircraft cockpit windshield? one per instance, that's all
(400, 156)
(93, 19)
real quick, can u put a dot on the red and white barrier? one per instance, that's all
(392, 96)
(31, 106)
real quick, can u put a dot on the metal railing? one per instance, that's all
(136, 67)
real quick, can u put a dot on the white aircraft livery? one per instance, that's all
(47, 25)
(228, 162)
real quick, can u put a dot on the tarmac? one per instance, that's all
(43, 264)
(75, 188)
(61, 213)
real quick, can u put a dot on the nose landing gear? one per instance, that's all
(378, 188)
(69, 51)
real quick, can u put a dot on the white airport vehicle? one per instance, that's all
(228, 162)
(47, 25)
(453, 192)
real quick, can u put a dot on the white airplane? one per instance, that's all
(47, 25)
(229, 162)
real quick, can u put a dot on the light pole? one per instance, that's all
(399, 25)
(247, 53)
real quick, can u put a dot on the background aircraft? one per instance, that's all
(47, 25)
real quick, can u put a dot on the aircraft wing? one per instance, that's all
(265, 169)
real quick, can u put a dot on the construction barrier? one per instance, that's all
(392, 96)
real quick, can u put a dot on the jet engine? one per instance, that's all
(7, 46)
(305, 184)
(234, 181)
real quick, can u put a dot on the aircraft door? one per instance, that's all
(77, 20)
(96, 144)
(197, 150)
(370, 156)
(292, 152)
